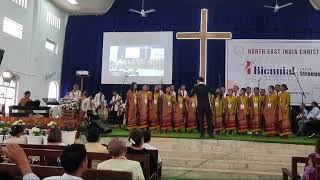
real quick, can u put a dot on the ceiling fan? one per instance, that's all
(142, 12)
(276, 8)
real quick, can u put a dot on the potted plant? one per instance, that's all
(4, 129)
(18, 122)
(21, 123)
(35, 135)
(68, 131)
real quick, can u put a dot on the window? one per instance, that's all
(22, 3)
(8, 94)
(51, 46)
(53, 20)
(13, 28)
(53, 90)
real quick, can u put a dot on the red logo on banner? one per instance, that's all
(248, 67)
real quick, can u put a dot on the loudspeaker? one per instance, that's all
(315, 4)
(103, 127)
(1, 55)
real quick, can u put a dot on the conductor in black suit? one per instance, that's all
(202, 91)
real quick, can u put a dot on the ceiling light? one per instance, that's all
(73, 2)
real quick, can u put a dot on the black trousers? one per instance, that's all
(313, 126)
(205, 113)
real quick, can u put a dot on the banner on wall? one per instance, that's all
(260, 63)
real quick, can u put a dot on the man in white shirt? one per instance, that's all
(73, 160)
(315, 111)
(119, 162)
(312, 121)
(75, 94)
(99, 100)
(87, 106)
(115, 103)
(302, 119)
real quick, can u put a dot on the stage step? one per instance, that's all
(225, 164)
(225, 159)
(219, 174)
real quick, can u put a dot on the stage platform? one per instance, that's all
(117, 132)
(186, 156)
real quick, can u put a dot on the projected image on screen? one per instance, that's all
(136, 61)
(143, 57)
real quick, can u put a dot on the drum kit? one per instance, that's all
(103, 109)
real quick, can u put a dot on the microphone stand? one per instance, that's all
(303, 95)
(121, 91)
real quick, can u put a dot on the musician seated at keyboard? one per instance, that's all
(115, 103)
(26, 98)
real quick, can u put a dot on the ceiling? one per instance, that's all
(85, 7)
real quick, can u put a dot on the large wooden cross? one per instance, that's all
(203, 35)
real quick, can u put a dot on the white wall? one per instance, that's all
(28, 56)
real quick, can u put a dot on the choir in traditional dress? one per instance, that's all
(131, 107)
(230, 111)
(241, 113)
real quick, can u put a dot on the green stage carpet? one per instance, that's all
(117, 132)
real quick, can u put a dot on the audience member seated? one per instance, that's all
(137, 140)
(147, 139)
(119, 162)
(312, 123)
(301, 119)
(16, 133)
(93, 138)
(55, 137)
(23, 101)
(310, 168)
(73, 159)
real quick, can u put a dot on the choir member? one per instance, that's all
(235, 91)
(178, 111)
(191, 107)
(166, 110)
(218, 111)
(223, 91)
(143, 99)
(230, 111)
(270, 112)
(256, 106)
(172, 90)
(183, 91)
(131, 107)
(242, 111)
(284, 112)
(263, 100)
(248, 92)
(87, 106)
(154, 107)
